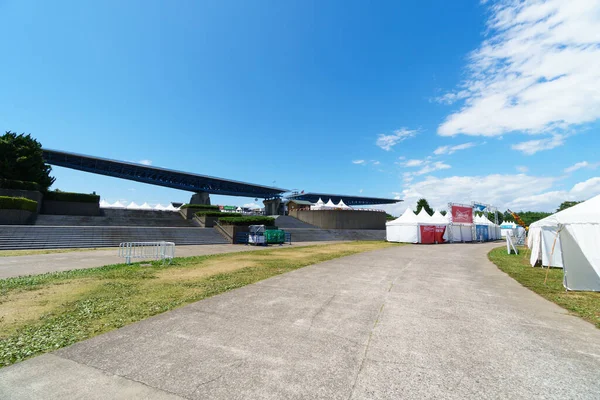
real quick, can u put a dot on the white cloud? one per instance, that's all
(386, 142)
(414, 163)
(538, 71)
(451, 149)
(359, 162)
(577, 166)
(549, 201)
(375, 162)
(430, 167)
(360, 191)
(517, 192)
(251, 205)
(145, 162)
(522, 169)
(533, 146)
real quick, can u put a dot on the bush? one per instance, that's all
(68, 196)
(17, 203)
(216, 214)
(245, 221)
(20, 185)
(201, 206)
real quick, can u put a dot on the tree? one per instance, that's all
(566, 204)
(422, 203)
(21, 159)
(444, 212)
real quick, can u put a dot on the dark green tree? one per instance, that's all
(422, 203)
(444, 212)
(566, 204)
(21, 159)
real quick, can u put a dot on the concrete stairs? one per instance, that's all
(112, 217)
(14, 237)
(322, 235)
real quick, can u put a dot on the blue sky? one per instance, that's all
(494, 102)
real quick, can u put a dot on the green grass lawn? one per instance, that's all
(45, 312)
(583, 304)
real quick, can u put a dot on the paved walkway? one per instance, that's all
(42, 263)
(414, 322)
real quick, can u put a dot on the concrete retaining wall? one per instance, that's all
(188, 213)
(16, 217)
(206, 221)
(229, 232)
(28, 194)
(342, 219)
(53, 207)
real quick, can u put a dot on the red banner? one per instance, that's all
(439, 233)
(427, 234)
(462, 215)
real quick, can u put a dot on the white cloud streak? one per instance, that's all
(531, 147)
(576, 166)
(452, 149)
(145, 162)
(386, 142)
(538, 72)
(359, 162)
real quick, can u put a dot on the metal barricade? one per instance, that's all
(164, 251)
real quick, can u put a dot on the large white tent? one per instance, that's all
(407, 228)
(330, 204)
(404, 229)
(575, 235)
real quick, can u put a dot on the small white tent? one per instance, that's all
(319, 205)
(117, 204)
(170, 208)
(105, 204)
(330, 204)
(133, 206)
(423, 216)
(159, 207)
(577, 236)
(508, 228)
(145, 206)
(341, 204)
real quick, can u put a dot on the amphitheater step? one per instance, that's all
(111, 217)
(45, 237)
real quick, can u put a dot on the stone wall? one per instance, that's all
(28, 194)
(53, 207)
(342, 219)
(16, 217)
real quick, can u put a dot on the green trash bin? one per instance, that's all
(274, 236)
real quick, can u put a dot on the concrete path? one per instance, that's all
(42, 263)
(414, 322)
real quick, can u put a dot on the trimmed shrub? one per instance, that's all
(201, 206)
(17, 203)
(216, 214)
(75, 197)
(20, 185)
(245, 221)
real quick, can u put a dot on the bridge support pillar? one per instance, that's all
(273, 207)
(200, 198)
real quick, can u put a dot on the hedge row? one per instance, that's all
(17, 203)
(20, 185)
(216, 214)
(201, 206)
(76, 197)
(245, 221)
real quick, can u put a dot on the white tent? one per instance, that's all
(438, 219)
(423, 216)
(508, 228)
(404, 229)
(159, 207)
(575, 234)
(319, 205)
(341, 204)
(117, 204)
(329, 204)
(133, 206)
(105, 204)
(407, 228)
(145, 206)
(170, 208)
